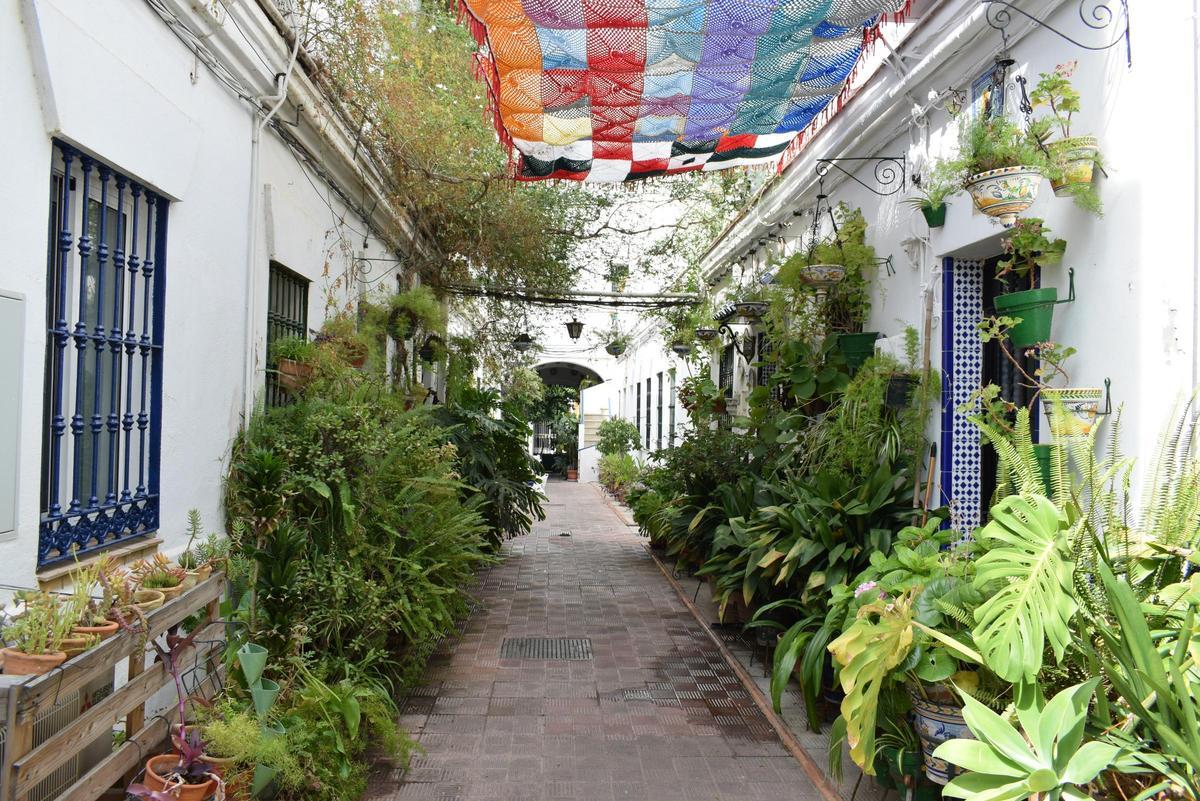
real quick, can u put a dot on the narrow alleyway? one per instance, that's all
(652, 714)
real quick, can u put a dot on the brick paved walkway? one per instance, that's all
(654, 715)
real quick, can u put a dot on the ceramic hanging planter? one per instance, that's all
(1078, 156)
(1035, 308)
(614, 348)
(750, 309)
(1006, 192)
(822, 274)
(681, 348)
(857, 348)
(1080, 407)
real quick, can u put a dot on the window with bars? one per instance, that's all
(103, 368)
(649, 381)
(287, 316)
(725, 371)
(658, 439)
(671, 405)
(637, 392)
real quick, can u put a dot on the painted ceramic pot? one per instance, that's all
(1080, 405)
(937, 722)
(822, 274)
(614, 349)
(1006, 192)
(751, 309)
(1077, 156)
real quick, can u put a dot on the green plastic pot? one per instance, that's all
(252, 658)
(857, 348)
(1044, 455)
(263, 774)
(935, 216)
(1035, 307)
(264, 692)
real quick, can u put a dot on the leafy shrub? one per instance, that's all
(617, 435)
(618, 471)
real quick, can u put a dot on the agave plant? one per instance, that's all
(1046, 760)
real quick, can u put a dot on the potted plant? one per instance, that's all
(681, 348)
(35, 637)
(617, 344)
(931, 196)
(159, 574)
(292, 357)
(901, 383)
(1031, 310)
(184, 775)
(341, 335)
(414, 309)
(1073, 159)
(750, 303)
(90, 615)
(1000, 165)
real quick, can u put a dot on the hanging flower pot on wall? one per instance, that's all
(614, 348)
(1035, 308)
(935, 216)
(822, 275)
(1080, 408)
(750, 309)
(857, 348)
(1077, 155)
(899, 390)
(681, 348)
(293, 375)
(1006, 192)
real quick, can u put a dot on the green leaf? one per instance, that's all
(990, 728)
(978, 757)
(1088, 761)
(1028, 560)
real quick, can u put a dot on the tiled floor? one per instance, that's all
(654, 715)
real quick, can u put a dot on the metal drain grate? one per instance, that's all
(550, 648)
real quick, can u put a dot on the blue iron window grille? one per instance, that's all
(658, 439)
(103, 397)
(287, 316)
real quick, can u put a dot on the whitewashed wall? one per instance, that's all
(1136, 268)
(111, 79)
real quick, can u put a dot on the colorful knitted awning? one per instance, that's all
(617, 90)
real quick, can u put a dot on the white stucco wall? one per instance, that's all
(1135, 269)
(113, 80)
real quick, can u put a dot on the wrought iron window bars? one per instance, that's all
(103, 402)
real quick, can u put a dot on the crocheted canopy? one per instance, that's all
(618, 90)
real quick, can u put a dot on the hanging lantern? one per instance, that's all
(522, 343)
(574, 328)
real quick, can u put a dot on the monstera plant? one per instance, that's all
(1029, 564)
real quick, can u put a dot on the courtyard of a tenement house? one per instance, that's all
(600, 400)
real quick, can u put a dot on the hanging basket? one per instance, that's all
(750, 309)
(614, 349)
(822, 274)
(1006, 192)
(681, 348)
(1035, 308)
(1078, 156)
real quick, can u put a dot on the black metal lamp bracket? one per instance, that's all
(735, 340)
(1098, 15)
(890, 172)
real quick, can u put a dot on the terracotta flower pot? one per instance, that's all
(74, 646)
(146, 600)
(1006, 192)
(1078, 158)
(293, 375)
(104, 631)
(19, 663)
(157, 767)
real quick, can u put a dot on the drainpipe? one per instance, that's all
(248, 350)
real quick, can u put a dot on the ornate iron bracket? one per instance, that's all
(736, 339)
(890, 172)
(1098, 15)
